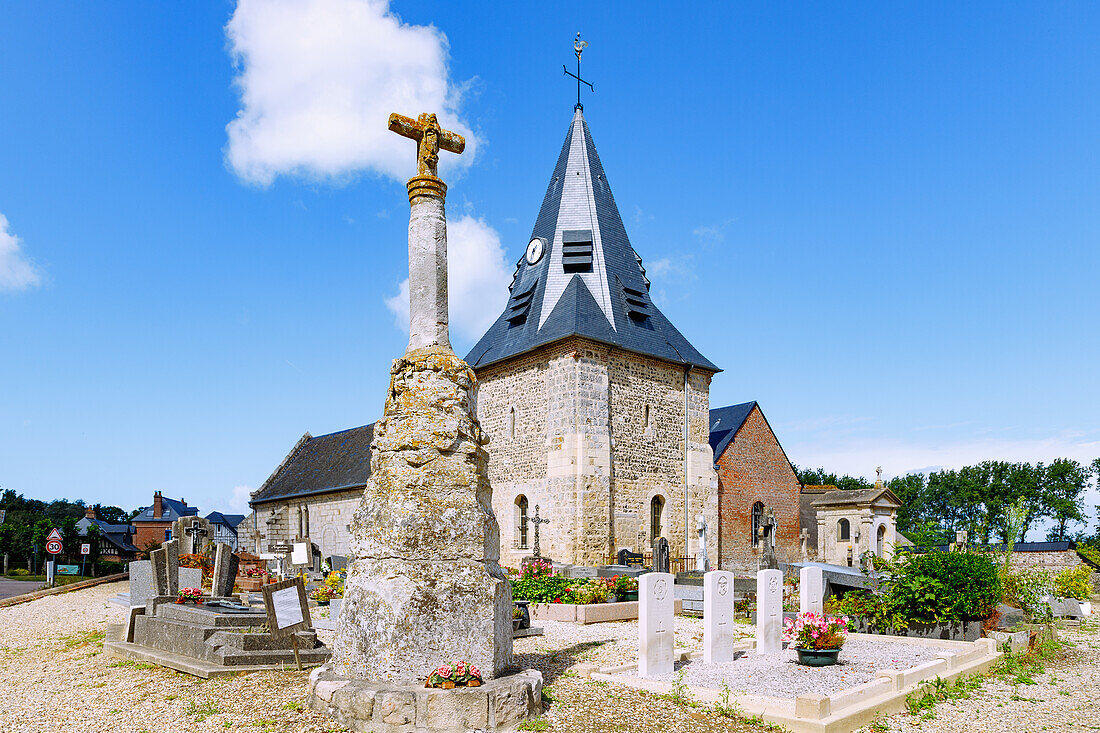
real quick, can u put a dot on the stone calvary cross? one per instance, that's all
(427, 230)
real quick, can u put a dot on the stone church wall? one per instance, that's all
(578, 445)
(754, 468)
(330, 518)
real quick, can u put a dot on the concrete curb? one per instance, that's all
(35, 595)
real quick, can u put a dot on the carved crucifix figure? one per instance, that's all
(537, 521)
(427, 230)
(430, 139)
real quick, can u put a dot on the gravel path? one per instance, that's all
(781, 675)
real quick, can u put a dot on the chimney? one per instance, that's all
(89, 513)
(158, 506)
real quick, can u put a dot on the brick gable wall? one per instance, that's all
(754, 468)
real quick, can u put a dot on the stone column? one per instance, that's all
(427, 264)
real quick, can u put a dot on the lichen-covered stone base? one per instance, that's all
(425, 585)
(498, 705)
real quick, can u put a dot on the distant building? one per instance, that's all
(153, 524)
(223, 527)
(116, 541)
(847, 524)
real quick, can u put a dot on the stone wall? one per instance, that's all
(754, 468)
(591, 434)
(1053, 561)
(329, 525)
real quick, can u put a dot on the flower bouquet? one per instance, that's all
(322, 594)
(816, 639)
(194, 595)
(451, 675)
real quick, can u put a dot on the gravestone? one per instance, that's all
(190, 578)
(158, 560)
(804, 551)
(718, 617)
(811, 590)
(702, 562)
(660, 556)
(141, 582)
(337, 562)
(631, 559)
(172, 567)
(192, 533)
(769, 612)
(656, 624)
(767, 539)
(226, 565)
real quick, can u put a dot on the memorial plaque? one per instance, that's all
(287, 607)
(631, 559)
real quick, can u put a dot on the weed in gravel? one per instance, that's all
(536, 724)
(924, 700)
(202, 712)
(293, 705)
(680, 693)
(878, 725)
(83, 638)
(548, 695)
(728, 709)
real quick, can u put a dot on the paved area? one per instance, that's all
(9, 588)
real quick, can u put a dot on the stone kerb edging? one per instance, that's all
(591, 613)
(843, 711)
(35, 595)
(499, 704)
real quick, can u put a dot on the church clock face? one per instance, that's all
(534, 250)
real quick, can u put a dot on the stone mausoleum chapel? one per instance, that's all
(597, 409)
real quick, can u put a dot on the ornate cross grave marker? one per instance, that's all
(537, 521)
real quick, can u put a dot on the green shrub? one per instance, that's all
(938, 586)
(20, 571)
(544, 589)
(1074, 583)
(1028, 589)
(108, 567)
(1089, 554)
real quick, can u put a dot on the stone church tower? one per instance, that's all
(596, 407)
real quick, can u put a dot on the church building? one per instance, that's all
(597, 411)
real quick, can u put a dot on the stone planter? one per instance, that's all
(968, 630)
(515, 623)
(628, 596)
(817, 657)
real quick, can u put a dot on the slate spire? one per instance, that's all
(580, 275)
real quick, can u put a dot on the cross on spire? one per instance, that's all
(578, 47)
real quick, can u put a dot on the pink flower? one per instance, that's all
(444, 671)
(475, 671)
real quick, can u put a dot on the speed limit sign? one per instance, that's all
(53, 547)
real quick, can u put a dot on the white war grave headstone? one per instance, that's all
(811, 591)
(717, 617)
(656, 624)
(769, 611)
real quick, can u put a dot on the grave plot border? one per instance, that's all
(590, 613)
(843, 711)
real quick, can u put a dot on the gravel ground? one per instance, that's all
(54, 677)
(1063, 699)
(782, 676)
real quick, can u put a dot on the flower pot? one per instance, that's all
(474, 683)
(322, 603)
(515, 623)
(817, 657)
(448, 684)
(630, 595)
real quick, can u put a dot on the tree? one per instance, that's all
(818, 477)
(1062, 489)
(910, 489)
(112, 514)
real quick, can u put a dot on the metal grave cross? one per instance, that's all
(537, 521)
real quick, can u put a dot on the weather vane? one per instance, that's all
(578, 46)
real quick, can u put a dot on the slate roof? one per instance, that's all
(589, 281)
(858, 496)
(333, 462)
(171, 511)
(724, 424)
(228, 520)
(119, 535)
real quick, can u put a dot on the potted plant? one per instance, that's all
(448, 676)
(625, 587)
(517, 617)
(190, 595)
(322, 594)
(816, 639)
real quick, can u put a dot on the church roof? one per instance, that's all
(858, 496)
(588, 281)
(333, 462)
(724, 424)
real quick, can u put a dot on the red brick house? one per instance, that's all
(153, 524)
(754, 473)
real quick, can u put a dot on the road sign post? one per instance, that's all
(85, 550)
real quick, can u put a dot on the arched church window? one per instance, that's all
(843, 530)
(880, 541)
(757, 522)
(512, 422)
(656, 508)
(521, 520)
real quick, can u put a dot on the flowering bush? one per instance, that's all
(810, 631)
(189, 594)
(1029, 589)
(458, 673)
(1074, 583)
(321, 593)
(536, 568)
(254, 572)
(624, 584)
(335, 584)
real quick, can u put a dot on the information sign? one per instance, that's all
(287, 610)
(68, 570)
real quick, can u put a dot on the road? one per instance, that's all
(9, 588)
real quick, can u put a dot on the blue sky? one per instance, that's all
(880, 221)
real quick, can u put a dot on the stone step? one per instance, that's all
(244, 642)
(274, 657)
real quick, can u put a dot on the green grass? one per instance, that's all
(536, 724)
(202, 712)
(82, 638)
(60, 579)
(293, 705)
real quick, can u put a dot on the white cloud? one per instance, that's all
(238, 502)
(318, 80)
(16, 271)
(477, 279)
